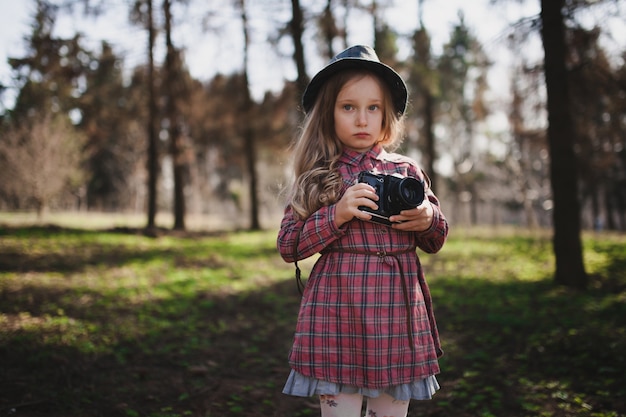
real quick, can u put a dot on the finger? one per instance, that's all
(405, 225)
(366, 202)
(364, 215)
(415, 225)
(364, 194)
(404, 216)
(368, 189)
(370, 193)
(412, 213)
(362, 186)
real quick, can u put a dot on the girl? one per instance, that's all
(366, 326)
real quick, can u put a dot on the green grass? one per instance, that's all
(106, 323)
(518, 345)
(90, 290)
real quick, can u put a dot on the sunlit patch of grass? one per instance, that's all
(91, 220)
(93, 290)
(523, 258)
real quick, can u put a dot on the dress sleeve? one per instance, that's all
(432, 239)
(312, 234)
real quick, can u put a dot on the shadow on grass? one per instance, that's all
(513, 348)
(200, 355)
(519, 349)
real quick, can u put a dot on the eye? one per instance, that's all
(348, 107)
(374, 107)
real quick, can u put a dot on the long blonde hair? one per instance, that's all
(317, 149)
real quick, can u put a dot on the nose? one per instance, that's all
(361, 118)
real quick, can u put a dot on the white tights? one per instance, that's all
(349, 405)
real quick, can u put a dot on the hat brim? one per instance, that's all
(392, 79)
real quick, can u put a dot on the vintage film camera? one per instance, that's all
(394, 195)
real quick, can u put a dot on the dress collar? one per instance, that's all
(355, 158)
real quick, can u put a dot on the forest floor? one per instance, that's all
(116, 323)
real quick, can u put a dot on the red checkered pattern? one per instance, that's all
(352, 325)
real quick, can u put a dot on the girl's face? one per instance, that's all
(359, 113)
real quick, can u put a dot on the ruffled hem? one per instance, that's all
(304, 386)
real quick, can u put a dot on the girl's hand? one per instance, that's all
(347, 207)
(414, 220)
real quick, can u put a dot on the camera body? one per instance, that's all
(395, 193)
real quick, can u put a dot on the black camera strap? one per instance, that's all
(299, 283)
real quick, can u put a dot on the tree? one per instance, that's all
(51, 71)
(570, 270)
(296, 29)
(385, 38)
(39, 160)
(248, 126)
(40, 135)
(328, 29)
(527, 154)
(174, 91)
(110, 120)
(462, 74)
(424, 82)
(599, 125)
(143, 13)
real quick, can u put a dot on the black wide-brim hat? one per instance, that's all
(358, 57)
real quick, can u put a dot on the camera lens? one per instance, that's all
(411, 192)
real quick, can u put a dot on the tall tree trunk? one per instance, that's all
(423, 84)
(329, 28)
(346, 17)
(171, 110)
(570, 270)
(153, 157)
(296, 27)
(248, 132)
(609, 208)
(429, 133)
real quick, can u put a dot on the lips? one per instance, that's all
(362, 135)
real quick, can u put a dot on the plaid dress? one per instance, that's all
(357, 325)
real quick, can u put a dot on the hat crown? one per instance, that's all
(357, 52)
